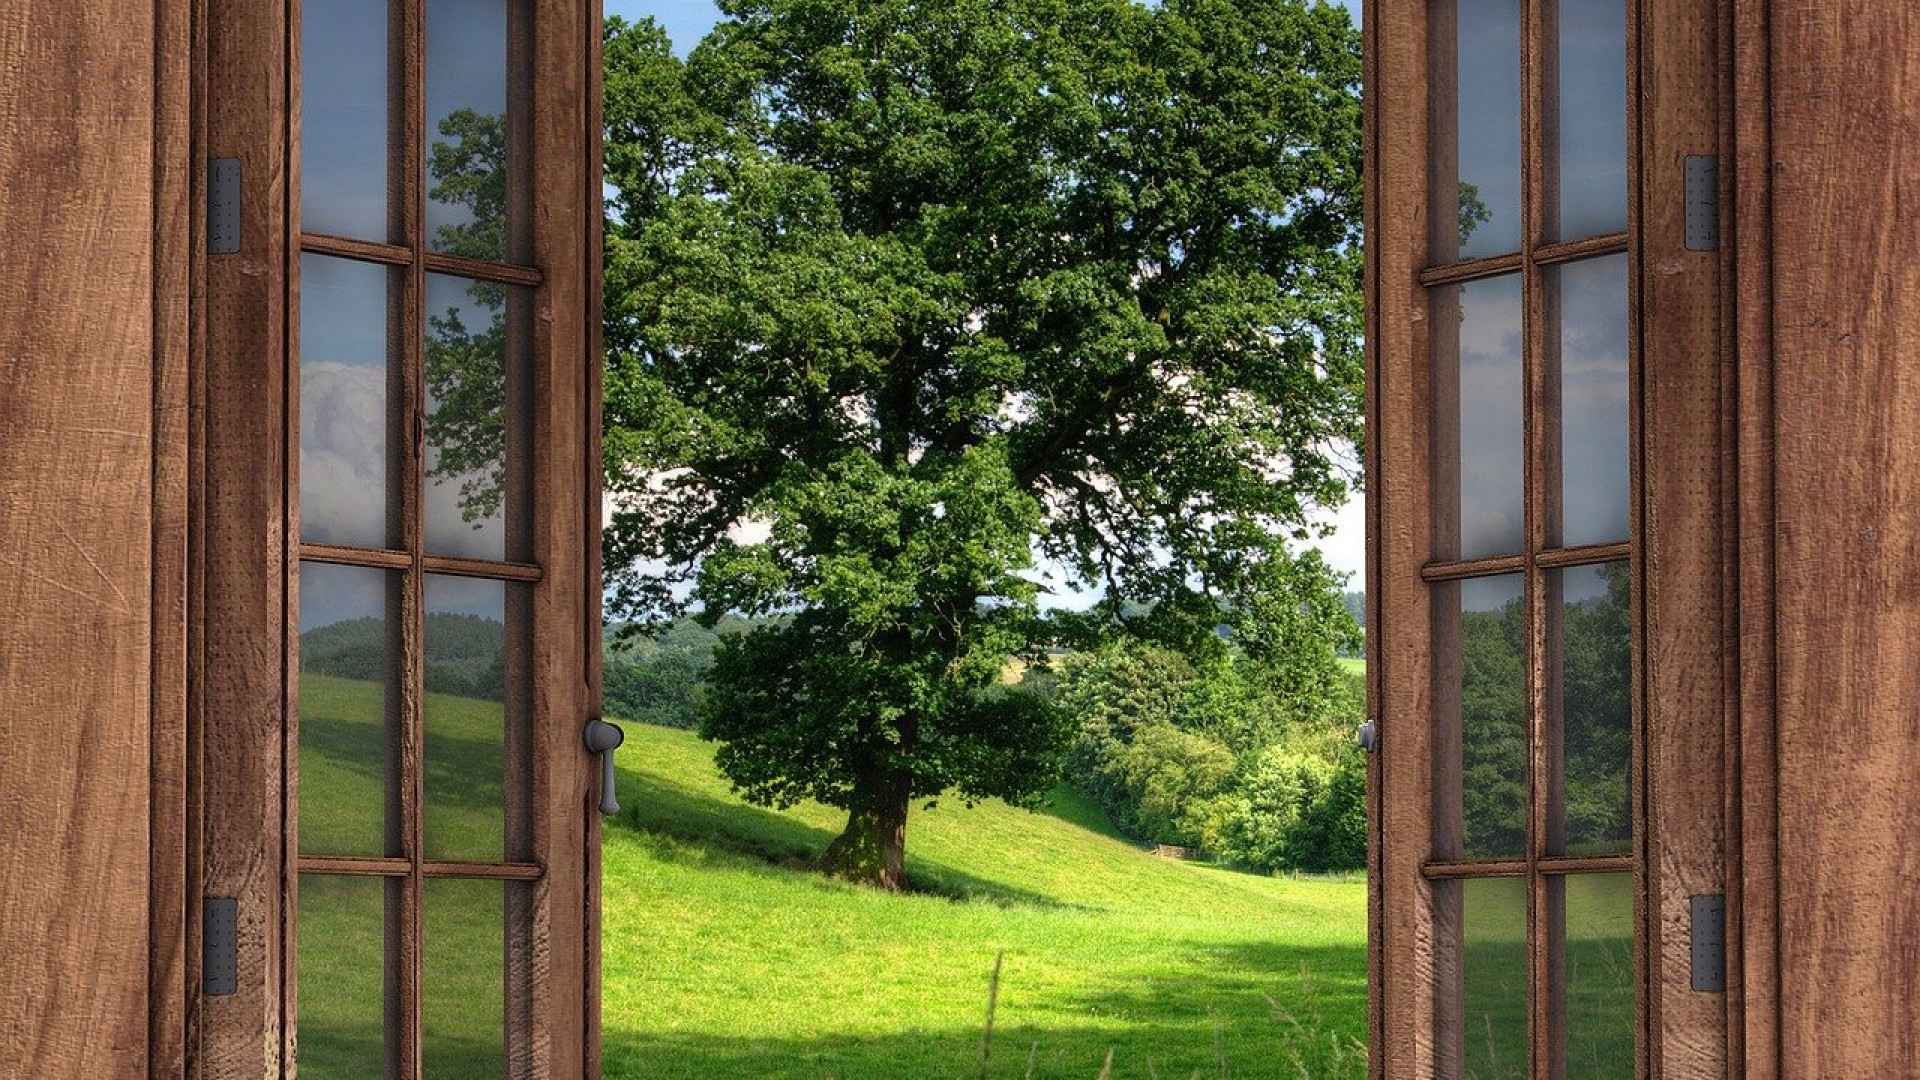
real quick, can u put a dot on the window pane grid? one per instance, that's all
(1573, 558)
(433, 230)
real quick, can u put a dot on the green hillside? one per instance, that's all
(725, 959)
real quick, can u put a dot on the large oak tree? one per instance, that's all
(919, 308)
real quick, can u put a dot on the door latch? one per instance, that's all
(603, 738)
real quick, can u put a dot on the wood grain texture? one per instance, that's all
(565, 833)
(76, 535)
(1846, 445)
(1681, 595)
(174, 264)
(239, 674)
(1753, 974)
(1400, 540)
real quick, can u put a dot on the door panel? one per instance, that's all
(1542, 521)
(414, 445)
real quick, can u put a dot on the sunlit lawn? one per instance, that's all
(725, 958)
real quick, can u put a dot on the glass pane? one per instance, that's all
(343, 119)
(347, 480)
(349, 715)
(1598, 1000)
(1481, 925)
(1592, 126)
(469, 989)
(477, 336)
(476, 719)
(1480, 709)
(1591, 298)
(341, 948)
(1477, 425)
(1593, 699)
(472, 148)
(1476, 130)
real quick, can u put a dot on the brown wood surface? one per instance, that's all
(1400, 529)
(1753, 976)
(1681, 593)
(77, 641)
(565, 829)
(175, 262)
(1846, 444)
(238, 675)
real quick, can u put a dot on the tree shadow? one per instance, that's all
(1247, 1023)
(656, 805)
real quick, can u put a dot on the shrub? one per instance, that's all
(1273, 794)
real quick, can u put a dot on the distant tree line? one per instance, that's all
(661, 678)
(1254, 768)
(465, 655)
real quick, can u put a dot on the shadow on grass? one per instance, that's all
(1301, 985)
(1248, 1024)
(653, 804)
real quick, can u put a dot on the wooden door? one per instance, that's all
(398, 585)
(1545, 480)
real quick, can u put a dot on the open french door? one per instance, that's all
(396, 535)
(1546, 540)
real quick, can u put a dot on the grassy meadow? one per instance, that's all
(725, 958)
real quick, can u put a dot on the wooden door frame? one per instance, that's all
(1683, 546)
(238, 802)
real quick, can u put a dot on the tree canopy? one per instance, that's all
(918, 310)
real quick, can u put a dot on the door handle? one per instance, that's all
(602, 738)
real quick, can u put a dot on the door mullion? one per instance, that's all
(409, 98)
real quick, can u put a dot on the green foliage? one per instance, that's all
(1271, 796)
(1331, 832)
(660, 679)
(923, 292)
(1493, 711)
(1208, 756)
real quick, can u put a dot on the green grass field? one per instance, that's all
(726, 959)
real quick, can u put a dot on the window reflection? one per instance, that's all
(1476, 129)
(349, 713)
(1591, 352)
(344, 76)
(477, 341)
(1594, 707)
(1591, 129)
(1478, 396)
(476, 719)
(348, 494)
(472, 147)
(1597, 1002)
(343, 929)
(1480, 713)
(1481, 962)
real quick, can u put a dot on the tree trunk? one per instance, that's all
(872, 850)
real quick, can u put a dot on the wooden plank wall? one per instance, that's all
(79, 332)
(1845, 416)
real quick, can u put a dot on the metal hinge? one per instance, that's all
(1709, 934)
(1703, 203)
(223, 206)
(218, 933)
